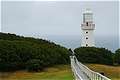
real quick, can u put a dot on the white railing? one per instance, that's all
(90, 26)
(92, 75)
(74, 70)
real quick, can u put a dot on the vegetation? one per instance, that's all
(28, 53)
(31, 54)
(113, 72)
(94, 55)
(61, 72)
(117, 57)
(57, 72)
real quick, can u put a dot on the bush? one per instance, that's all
(18, 52)
(117, 57)
(94, 55)
(34, 65)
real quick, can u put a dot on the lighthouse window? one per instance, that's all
(87, 23)
(86, 45)
(86, 37)
(86, 32)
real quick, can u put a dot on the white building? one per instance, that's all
(88, 29)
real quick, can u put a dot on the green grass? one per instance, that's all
(60, 72)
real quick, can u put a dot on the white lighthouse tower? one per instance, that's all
(87, 29)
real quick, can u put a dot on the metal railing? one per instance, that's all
(92, 75)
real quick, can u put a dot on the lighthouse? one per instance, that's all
(88, 28)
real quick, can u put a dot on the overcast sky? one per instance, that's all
(58, 18)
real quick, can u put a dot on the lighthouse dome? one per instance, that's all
(88, 10)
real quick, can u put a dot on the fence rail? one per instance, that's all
(92, 75)
(75, 72)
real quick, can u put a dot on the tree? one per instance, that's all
(117, 56)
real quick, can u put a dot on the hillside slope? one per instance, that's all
(18, 52)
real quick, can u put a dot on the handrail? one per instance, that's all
(92, 75)
(77, 76)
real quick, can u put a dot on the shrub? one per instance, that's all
(34, 65)
(117, 56)
(18, 52)
(94, 55)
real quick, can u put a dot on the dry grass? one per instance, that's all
(112, 72)
(60, 72)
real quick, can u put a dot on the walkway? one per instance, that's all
(82, 72)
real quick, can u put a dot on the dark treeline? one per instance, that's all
(27, 53)
(32, 54)
(97, 55)
(117, 57)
